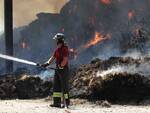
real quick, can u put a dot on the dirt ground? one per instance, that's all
(42, 106)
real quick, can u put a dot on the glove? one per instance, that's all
(60, 67)
(38, 64)
(44, 65)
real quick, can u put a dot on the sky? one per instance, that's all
(1, 16)
(25, 11)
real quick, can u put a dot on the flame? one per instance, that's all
(63, 30)
(137, 32)
(106, 2)
(73, 52)
(97, 38)
(130, 14)
(24, 45)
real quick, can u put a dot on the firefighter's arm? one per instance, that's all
(64, 62)
(51, 60)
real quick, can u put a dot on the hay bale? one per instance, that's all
(115, 86)
(23, 87)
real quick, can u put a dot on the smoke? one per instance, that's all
(142, 69)
(46, 75)
(126, 41)
(25, 10)
(91, 18)
(24, 13)
(79, 20)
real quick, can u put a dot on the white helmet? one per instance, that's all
(59, 37)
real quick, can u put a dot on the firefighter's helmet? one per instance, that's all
(59, 37)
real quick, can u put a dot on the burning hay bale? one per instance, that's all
(122, 87)
(95, 81)
(116, 79)
(96, 31)
(23, 87)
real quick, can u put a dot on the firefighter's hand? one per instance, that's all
(38, 64)
(44, 65)
(60, 67)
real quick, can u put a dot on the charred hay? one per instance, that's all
(114, 87)
(23, 87)
(86, 83)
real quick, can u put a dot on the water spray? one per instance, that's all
(17, 59)
(23, 61)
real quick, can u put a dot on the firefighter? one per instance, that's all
(60, 86)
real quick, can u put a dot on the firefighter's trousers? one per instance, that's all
(61, 86)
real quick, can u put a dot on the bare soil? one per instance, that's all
(42, 106)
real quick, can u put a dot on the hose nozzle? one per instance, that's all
(39, 65)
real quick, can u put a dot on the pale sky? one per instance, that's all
(25, 10)
(1, 16)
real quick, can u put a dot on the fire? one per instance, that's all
(130, 14)
(73, 53)
(106, 2)
(97, 38)
(72, 50)
(63, 30)
(24, 45)
(137, 32)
